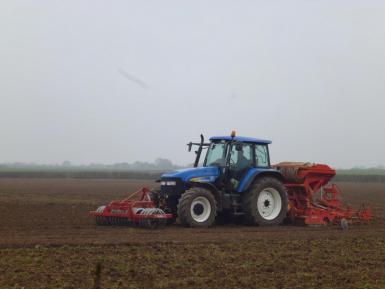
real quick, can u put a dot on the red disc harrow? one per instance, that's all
(141, 212)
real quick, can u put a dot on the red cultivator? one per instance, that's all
(303, 181)
(140, 212)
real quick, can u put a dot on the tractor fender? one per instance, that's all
(255, 173)
(212, 188)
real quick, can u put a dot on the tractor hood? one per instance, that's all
(200, 174)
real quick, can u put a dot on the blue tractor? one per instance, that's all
(235, 179)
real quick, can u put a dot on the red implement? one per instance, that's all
(303, 182)
(141, 212)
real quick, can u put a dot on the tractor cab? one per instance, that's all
(236, 159)
(235, 156)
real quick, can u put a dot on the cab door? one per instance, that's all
(240, 161)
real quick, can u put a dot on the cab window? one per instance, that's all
(216, 154)
(261, 156)
(241, 158)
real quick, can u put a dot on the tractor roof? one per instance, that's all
(241, 139)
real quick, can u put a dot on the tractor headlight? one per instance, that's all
(168, 183)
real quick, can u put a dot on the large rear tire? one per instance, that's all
(197, 207)
(265, 203)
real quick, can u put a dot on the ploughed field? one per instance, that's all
(47, 240)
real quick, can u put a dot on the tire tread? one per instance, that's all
(184, 207)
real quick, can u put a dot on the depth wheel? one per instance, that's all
(265, 203)
(197, 207)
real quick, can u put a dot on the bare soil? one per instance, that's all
(47, 240)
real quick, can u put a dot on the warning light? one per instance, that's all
(233, 133)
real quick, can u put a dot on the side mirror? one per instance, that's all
(189, 145)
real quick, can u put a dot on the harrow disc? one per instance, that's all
(100, 209)
(152, 223)
(112, 221)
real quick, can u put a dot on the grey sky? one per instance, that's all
(112, 81)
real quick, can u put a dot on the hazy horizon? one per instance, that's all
(140, 165)
(125, 81)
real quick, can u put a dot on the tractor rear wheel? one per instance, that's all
(265, 203)
(197, 207)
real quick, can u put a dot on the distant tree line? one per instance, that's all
(82, 174)
(159, 164)
(146, 170)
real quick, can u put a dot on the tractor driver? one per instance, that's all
(240, 161)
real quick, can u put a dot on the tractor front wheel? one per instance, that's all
(197, 207)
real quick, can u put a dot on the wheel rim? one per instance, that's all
(269, 203)
(200, 209)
